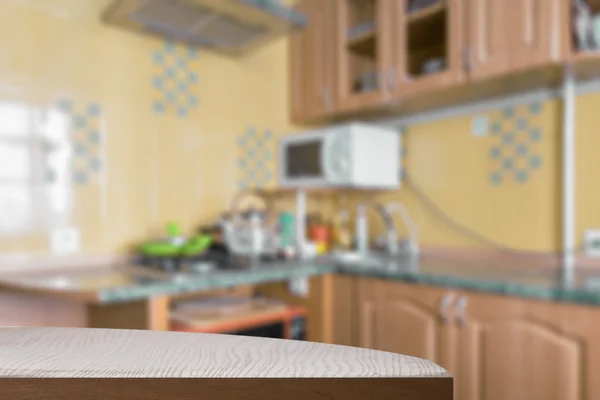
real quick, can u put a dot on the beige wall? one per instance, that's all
(161, 167)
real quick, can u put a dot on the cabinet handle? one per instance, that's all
(382, 83)
(326, 98)
(445, 307)
(461, 310)
(468, 59)
(392, 82)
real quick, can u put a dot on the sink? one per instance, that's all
(404, 262)
(354, 258)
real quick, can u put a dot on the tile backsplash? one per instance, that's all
(515, 149)
(175, 79)
(116, 134)
(122, 133)
(256, 161)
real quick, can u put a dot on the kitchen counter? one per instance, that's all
(127, 283)
(124, 283)
(517, 277)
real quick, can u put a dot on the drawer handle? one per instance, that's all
(461, 310)
(445, 307)
(326, 99)
(392, 79)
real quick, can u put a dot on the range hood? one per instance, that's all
(234, 27)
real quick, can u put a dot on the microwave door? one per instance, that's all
(303, 162)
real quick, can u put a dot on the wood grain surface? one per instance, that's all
(96, 364)
(108, 353)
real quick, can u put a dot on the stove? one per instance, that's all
(216, 258)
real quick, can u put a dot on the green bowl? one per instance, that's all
(193, 247)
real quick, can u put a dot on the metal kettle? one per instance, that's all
(253, 233)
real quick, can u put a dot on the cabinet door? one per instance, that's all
(367, 313)
(536, 30)
(507, 36)
(345, 304)
(489, 48)
(428, 45)
(310, 60)
(362, 52)
(406, 319)
(512, 349)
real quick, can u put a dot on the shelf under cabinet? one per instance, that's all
(364, 44)
(426, 13)
(427, 40)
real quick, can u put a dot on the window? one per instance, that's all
(34, 167)
(16, 178)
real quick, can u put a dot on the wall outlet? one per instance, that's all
(479, 126)
(65, 241)
(591, 243)
(299, 287)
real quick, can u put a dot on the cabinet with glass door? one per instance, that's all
(428, 44)
(362, 53)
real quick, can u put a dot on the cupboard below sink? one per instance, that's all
(496, 347)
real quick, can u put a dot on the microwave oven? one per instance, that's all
(353, 155)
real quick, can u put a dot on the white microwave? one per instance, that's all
(352, 155)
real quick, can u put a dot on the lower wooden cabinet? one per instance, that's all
(404, 319)
(496, 347)
(520, 349)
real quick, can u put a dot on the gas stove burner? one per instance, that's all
(208, 262)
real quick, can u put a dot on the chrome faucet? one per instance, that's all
(362, 228)
(409, 223)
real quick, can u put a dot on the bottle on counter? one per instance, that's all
(341, 235)
(319, 233)
(287, 234)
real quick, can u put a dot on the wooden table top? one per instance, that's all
(108, 353)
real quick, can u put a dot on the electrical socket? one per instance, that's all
(64, 241)
(591, 243)
(479, 126)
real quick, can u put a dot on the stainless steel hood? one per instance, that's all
(230, 26)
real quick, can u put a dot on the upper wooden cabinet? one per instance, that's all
(427, 46)
(488, 49)
(584, 52)
(506, 37)
(361, 49)
(310, 63)
(539, 32)
(358, 55)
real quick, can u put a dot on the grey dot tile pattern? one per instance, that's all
(85, 139)
(176, 81)
(255, 162)
(513, 151)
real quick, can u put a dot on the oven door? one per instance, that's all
(306, 160)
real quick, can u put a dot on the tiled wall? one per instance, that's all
(122, 133)
(157, 132)
(514, 151)
(498, 173)
(256, 161)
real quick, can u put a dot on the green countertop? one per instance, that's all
(515, 278)
(127, 282)
(520, 279)
(179, 284)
